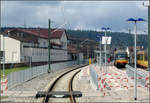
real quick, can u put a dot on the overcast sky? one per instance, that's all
(76, 14)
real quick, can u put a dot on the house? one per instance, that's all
(32, 44)
(12, 51)
(85, 45)
(72, 52)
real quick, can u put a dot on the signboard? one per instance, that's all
(106, 40)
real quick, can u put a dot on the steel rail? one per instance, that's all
(46, 98)
(72, 98)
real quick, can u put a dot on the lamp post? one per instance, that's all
(135, 73)
(105, 44)
(100, 52)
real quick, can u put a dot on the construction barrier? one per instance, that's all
(115, 79)
(4, 86)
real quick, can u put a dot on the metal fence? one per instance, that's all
(141, 77)
(94, 77)
(15, 78)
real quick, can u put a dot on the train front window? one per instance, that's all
(140, 57)
(122, 56)
(145, 57)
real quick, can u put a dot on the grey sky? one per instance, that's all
(77, 14)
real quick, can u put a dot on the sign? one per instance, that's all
(106, 40)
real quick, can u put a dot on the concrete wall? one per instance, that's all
(41, 54)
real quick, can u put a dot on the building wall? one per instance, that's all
(12, 49)
(41, 54)
(20, 52)
(64, 41)
(57, 41)
(43, 42)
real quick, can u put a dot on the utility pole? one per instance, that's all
(78, 54)
(49, 46)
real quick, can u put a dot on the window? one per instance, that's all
(44, 43)
(17, 34)
(1, 54)
(140, 56)
(145, 57)
(22, 34)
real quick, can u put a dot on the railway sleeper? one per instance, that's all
(58, 94)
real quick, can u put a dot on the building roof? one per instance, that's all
(43, 33)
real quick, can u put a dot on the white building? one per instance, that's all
(23, 44)
(12, 49)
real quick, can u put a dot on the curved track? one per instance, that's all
(70, 88)
(72, 99)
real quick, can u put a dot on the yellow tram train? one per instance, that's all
(142, 58)
(121, 58)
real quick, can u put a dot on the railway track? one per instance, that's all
(53, 86)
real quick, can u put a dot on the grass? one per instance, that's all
(3, 97)
(7, 71)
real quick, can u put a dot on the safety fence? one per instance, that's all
(15, 78)
(93, 77)
(141, 76)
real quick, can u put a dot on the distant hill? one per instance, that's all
(118, 38)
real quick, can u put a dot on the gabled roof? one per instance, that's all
(41, 32)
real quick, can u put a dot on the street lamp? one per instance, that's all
(105, 29)
(135, 22)
(100, 52)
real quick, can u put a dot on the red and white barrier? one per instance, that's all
(102, 86)
(4, 87)
(115, 78)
